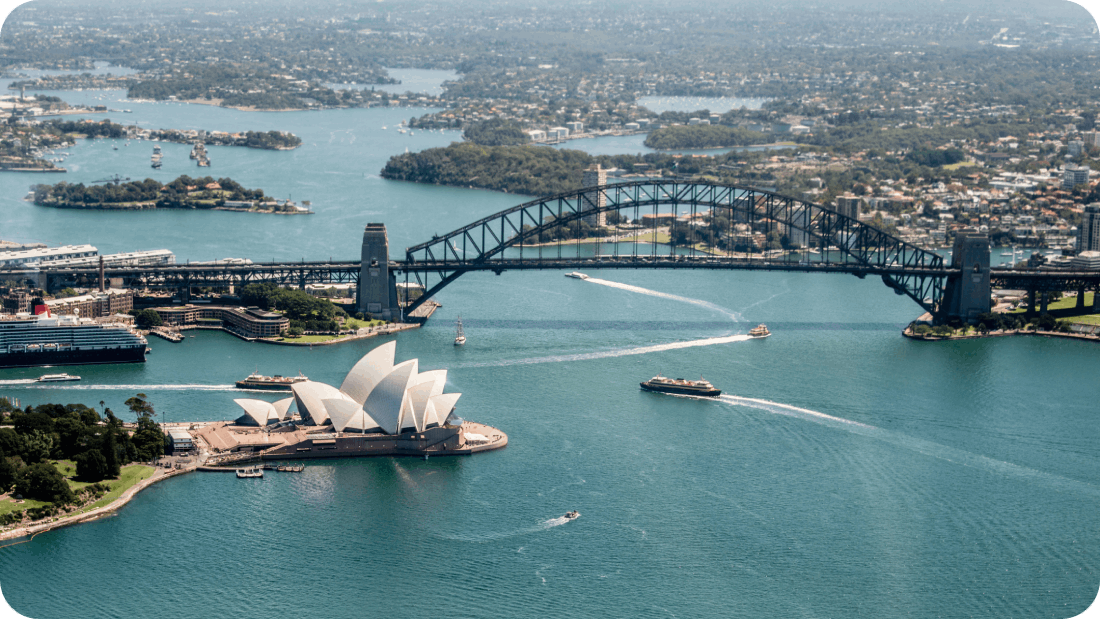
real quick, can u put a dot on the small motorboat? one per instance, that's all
(572, 515)
(576, 275)
(56, 378)
(759, 331)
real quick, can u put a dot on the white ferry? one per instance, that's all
(57, 378)
(681, 386)
(759, 331)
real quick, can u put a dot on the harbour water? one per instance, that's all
(846, 471)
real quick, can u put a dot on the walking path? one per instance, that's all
(34, 529)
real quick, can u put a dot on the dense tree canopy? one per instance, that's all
(703, 136)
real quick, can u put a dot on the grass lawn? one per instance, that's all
(1064, 303)
(1091, 319)
(355, 323)
(961, 164)
(649, 237)
(9, 505)
(130, 475)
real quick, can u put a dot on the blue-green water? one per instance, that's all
(849, 472)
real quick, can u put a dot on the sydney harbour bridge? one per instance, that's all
(527, 236)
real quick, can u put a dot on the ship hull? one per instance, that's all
(242, 384)
(710, 393)
(72, 357)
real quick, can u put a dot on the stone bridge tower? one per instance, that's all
(377, 289)
(968, 294)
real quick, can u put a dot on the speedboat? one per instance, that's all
(56, 378)
(576, 275)
(572, 515)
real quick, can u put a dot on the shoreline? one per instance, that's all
(30, 530)
(145, 206)
(907, 332)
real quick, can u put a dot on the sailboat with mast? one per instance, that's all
(460, 336)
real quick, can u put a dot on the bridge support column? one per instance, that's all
(968, 294)
(1096, 301)
(1080, 298)
(377, 292)
(1032, 301)
(1045, 302)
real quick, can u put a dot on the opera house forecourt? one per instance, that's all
(381, 409)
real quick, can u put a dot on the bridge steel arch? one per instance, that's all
(518, 237)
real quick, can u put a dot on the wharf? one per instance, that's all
(168, 334)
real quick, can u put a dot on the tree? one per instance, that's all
(8, 473)
(148, 440)
(109, 449)
(43, 482)
(295, 331)
(140, 406)
(147, 318)
(91, 466)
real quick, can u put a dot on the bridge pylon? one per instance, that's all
(377, 291)
(968, 294)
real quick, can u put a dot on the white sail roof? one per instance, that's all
(439, 378)
(310, 395)
(408, 419)
(368, 372)
(444, 404)
(282, 407)
(385, 402)
(257, 412)
(430, 418)
(418, 396)
(347, 415)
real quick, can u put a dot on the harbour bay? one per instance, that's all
(869, 474)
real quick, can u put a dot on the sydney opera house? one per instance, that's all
(381, 408)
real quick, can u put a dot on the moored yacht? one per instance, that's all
(460, 335)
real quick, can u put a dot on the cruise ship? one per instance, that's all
(30, 341)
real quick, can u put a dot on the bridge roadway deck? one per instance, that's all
(301, 273)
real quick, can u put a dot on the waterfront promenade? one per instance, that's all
(30, 530)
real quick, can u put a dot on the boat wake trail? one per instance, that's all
(53, 386)
(605, 354)
(736, 317)
(545, 525)
(919, 445)
(18, 381)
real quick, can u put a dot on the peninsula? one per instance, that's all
(185, 192)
